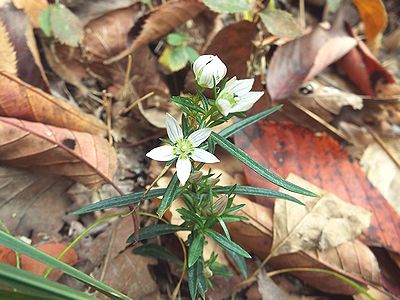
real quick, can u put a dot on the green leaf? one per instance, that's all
(179, 59)
(151, 231)
(236, 127)
(169, 195)
(187, 103)
(334, 5)
(192, 280)
(176, 39)
(257, 167)
(280, 23)
(227, 244)
(18, 246)
(65, 25)
(227, 6)
(240, 262)
(120, 201)
(191, 54)
(201, 280)
(44, 22)
(255, 191)
(31, 286)
(157, 251)
(196, 249)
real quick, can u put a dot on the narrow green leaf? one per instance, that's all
(227, 244)
(169, 195)
(151, 231)
(192, 280)
(257, 167)
(23, 248)
(196, 249)
(201, 280)
(240, 262)
(34, 287)
(240, 125)
(256, 191)
(157, 251)
(182, 101)
(120, 201)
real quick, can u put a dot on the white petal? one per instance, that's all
(242, 87)
(230, 84)
(174, 131)
(183, 170)
(163, 153)
(199, 136)
(204, 156)
(247, 101)
(224, 106)
(200, 62)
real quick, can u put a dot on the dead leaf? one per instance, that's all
(20, 33)
(383, 172)
(301, 59)
(7, 256)
(23, 101)
(268, 288)
(83, 157)
(322, 223)
(280, 23)
(158, 23)
(32, 8)
(8, 57)
(374, 17)
(319, 159)
(54, 249)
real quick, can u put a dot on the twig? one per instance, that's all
(384, 146)
(136, 102)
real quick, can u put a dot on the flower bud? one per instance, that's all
(219, 205)
(208, 68)
(195, 177)
(212, 181)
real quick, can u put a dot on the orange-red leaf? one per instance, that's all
(285, 147)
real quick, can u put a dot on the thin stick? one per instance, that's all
(384, 146)
(302, 15)
(136, 102)
(107, 102)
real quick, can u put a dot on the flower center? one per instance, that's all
(230, 97)
(183, 149)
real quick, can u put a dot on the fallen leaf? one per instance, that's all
(322, 223)
(382, 171)
(7, 256)
(301, 59)
(158, 23)
(20, 33)
(227, 6)
(268, 288)
(280, 23)
(32, 8)
(373, 14)
(54, 249)
(21, 100)
(8, 57)
(83, 157)
(319, 159)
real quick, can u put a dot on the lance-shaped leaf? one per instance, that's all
(83, 157)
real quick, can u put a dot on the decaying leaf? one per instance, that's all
(383, 172)
(158, 23)
(280, 23)
(322, 223)
(21, 100)
(32, 8)
(301, 59)
(85, 158)
(8, 57)
(268, 289)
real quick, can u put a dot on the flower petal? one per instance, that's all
(174, 131)
(163, 153)
(242, 87)
(199, 136)
(223, 106)
(183, 170)
(204, 156)
(246, 102)
(230, 84)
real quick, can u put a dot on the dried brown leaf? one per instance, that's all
(158, 23)
(8, 57)
(83, 157)
(32, 8)
(321, 224)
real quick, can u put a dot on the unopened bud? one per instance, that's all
(208, 69)
(219, 205)
(207, 272)
(195, 177)
(212, 181)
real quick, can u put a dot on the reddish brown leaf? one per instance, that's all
(7, 256)
(53, 249)
(23, 101)
(85, 158)
(285, 147)
(158, 23)
(303, 58)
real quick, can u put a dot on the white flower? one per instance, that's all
(184, 148)
(236, 96)
(208, 68)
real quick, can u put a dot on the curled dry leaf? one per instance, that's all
(21, 100)
(158, 23)
(284, 148)
(53, 249)
(321, 223)
(21, 41)
(301, 59)
(83, 157)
